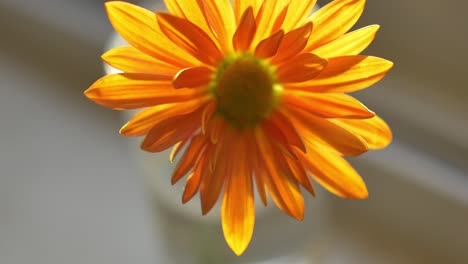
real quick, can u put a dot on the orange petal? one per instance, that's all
(293, 43)
(191, 10)
(138, 27)
(347, 74)
(212, 183)
(245, 31)
(374, 130)
(238, 209)
(216, 126)
(350, 44)
(170, 131)
(240, 6)
(254, 163)
(193, 180)
(333, 20)
(177, 148)
(283, 189)
(269, 46)
(193, 77)
(207, 114)
(189, 159)
(132, 90)
(278, 23)
(288, 129)
(276, 134)
(260, 175)
(334, 173)
(143, 121)
(220, 17)
(298, 11)
(301, 68)
(313, 128)
(298, 172)
(190, 37)
(129, 59)
(327, 105)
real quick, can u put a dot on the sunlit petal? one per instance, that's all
(190, 37)
(168, 132)
(301, 68)
(193, 77)
(129, 59)
(293, 43)
(245, 31)
(132, 90)
(298, 11)
(334, 173)
(238, 210)
(347, 74)
(350, 44)
(138, 26)
(333, 20)
(269, 46)
(374, 130)
(340, 140)
(330, 105)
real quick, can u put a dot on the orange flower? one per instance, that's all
(255, 91)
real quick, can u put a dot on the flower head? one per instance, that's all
(256, 93)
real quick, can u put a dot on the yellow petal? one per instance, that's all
(138, 27)
(193, 77)
(238, 210)
(298, 11)
(333, 20)
(347, 74)
(132, 90)
(129, 59)
(350, 44)
(168, 132)
(220, 17)
(301, 68)
(293, 43)
(374, 130)
(240, 6)
(330, 105)
(269, 46)
(190, 37)
(313, 128)
(245, 31)
(268, 13)
(334, 173)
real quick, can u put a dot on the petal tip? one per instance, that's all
(238, 250)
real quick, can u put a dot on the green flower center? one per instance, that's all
(246, 90)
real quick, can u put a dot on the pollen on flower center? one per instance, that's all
(245, 90)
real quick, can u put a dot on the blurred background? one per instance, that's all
(72, 191)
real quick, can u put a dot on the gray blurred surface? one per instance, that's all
(70, 191)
